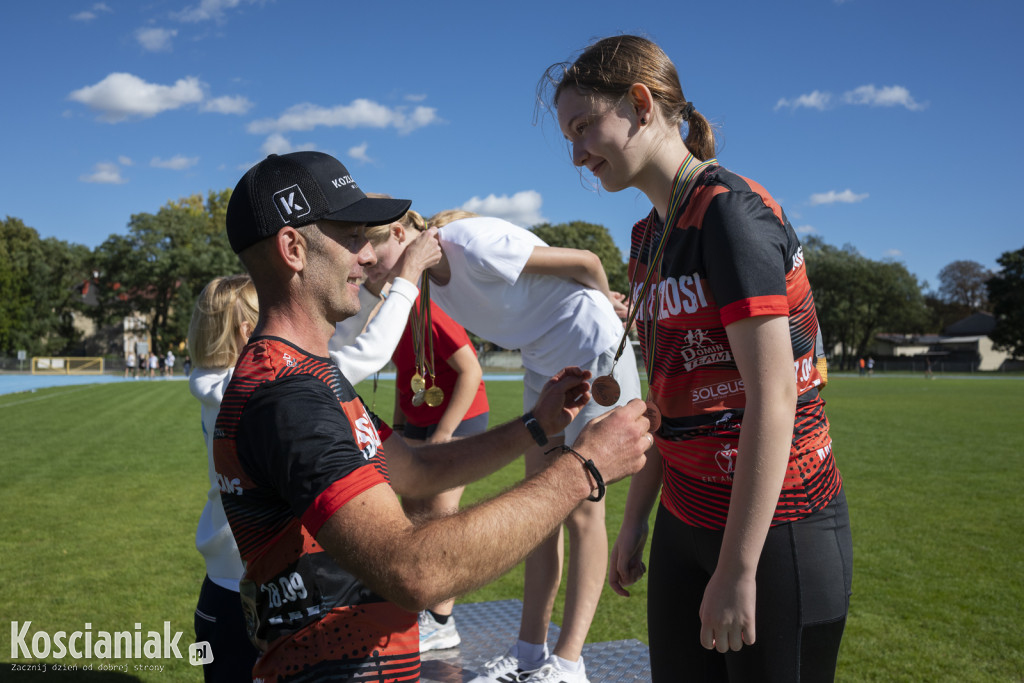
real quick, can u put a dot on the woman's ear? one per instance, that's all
(245, 329)
(398, 231)
(643, 102)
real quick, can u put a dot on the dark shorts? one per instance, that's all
(220, 622)
(804, 580)
(474, 425)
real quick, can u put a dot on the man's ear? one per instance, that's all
(291, 248)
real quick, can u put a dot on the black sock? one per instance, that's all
(439, 618)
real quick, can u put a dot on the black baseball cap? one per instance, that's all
(298, 189)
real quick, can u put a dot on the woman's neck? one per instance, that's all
(657, 178)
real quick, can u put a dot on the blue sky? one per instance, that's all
(891, 125)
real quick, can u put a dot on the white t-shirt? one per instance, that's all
(553, 321)
(359, 353)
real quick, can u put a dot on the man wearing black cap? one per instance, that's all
(335, 572)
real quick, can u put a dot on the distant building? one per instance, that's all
(963, 346)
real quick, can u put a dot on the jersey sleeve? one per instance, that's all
(306, 448)
(745, 253)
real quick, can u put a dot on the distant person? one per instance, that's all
(871, 366)
(154, 364)
(169, 363)
(752, 520)
(224, 317)
(862, 365)
(143, 363)
(436, 341)
(187, 365)
(129, 365)
(335, 571)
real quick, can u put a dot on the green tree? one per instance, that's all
(856, 298)
(1006, 294)
(38, 295)
(159, 267)
(594, 238)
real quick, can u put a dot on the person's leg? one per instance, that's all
(680, 564)
(543, 567)
(803, 587)
(220, 621)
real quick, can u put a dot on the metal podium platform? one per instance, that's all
(488, 629)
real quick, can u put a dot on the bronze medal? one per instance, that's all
(417, 398)
(654, 415)
(418, 383)
(605, 390)
(433, 396)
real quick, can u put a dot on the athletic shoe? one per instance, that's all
(436, 636)
(504, 669)
(551, 672)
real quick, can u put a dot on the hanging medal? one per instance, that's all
(606, 389)
(423, 349)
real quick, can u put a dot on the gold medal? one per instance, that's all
(433, 396)
(418, 383)
(605, 390)
(417, 398)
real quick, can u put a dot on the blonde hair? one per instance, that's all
(442, 218)
(378, 234)
(221, 309)
(611, 66)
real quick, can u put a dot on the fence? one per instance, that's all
(66, 365)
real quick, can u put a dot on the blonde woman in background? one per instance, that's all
(224, 317)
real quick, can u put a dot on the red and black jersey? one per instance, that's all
(732, 255)
(292, 445)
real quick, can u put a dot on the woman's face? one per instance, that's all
(602, 133)
(388, 254)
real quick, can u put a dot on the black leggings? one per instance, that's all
(803, 595)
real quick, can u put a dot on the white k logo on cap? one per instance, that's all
(291, 203)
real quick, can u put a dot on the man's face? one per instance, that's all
(337, 267)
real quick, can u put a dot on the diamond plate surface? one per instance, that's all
(489, 629)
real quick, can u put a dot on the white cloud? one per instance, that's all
(105, 173)
(175, 163)
(359, 153)
(889, 96)
(120, 96)
(361, 113)
(522, 208)
(229, 104)
(893, 254)
(90, 14)
(206, 10)
(279, 144)
(415, 98)
(156, 39)
(815, 100)
(806, 230)
(124, 161)
(847, 196)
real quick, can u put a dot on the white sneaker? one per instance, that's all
(551, 672)
(504, 669)
(437, 636)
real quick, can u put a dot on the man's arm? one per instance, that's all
(417, 565)
(432, 468)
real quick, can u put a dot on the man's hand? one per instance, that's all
(562, 398)
(617, 441)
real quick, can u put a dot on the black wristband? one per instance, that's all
(590, 467)
(535, 429)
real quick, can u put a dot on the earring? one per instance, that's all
(643, 120)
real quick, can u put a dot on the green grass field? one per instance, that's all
(102, 486)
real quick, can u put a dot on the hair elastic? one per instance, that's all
(688, 111)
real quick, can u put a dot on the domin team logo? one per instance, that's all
(291, 203)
